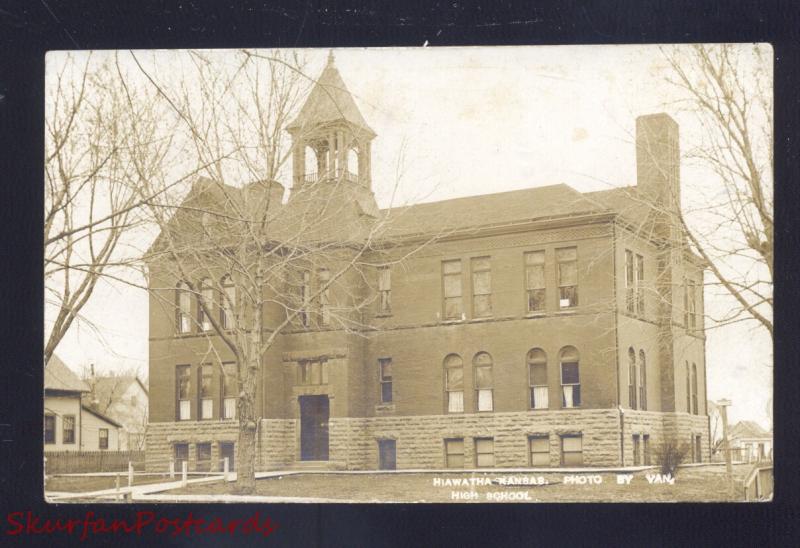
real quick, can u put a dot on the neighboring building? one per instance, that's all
(542, 327)
(68, 425)
(124, 399)
(749, 442)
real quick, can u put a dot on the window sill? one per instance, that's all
(385, 407)
(567, 311)
(536, 314)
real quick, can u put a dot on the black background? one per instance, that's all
(29, 28)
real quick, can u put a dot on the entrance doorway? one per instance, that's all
(226, 450)
(314, 415)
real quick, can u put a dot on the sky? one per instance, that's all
(457, 122)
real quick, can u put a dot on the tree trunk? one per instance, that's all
(248, 422)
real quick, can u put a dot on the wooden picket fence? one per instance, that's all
(73, 462)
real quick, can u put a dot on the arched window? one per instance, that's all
(454, 383)
(483, 381)
(642, 381)
(695, 409)
(183, 308)
(632, 378)
(206, 297)
(688, 389)
(227, 311)
(537, 379)
(570, 377)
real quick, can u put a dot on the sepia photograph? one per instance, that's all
(491, 274)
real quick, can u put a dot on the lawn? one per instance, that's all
(697, 484)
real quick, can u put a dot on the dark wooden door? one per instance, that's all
(226, 450)
(314, 415)
(387, 451)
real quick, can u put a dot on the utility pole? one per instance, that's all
(723, 411)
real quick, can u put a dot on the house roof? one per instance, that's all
(57, 376)
(505, 207)
(748, 429)
(100, 416)
(329, 101)
(109, 389)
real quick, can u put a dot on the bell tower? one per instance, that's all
(331, 141)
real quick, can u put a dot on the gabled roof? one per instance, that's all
(748, 429)
(100, 416)
(109, 389)
(329, 101)
(489, 209)
(57, 376)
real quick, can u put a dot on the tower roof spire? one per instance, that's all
(329, 101)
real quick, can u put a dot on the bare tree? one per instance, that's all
(257, 267)
(91, 199)
(728, 87)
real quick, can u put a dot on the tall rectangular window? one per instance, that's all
(484, 452)
(567, 265)
(686, 303)
(534, 281)
(629, 282)
(570, 378)
(639, 285)
(481, 287)
(183, 378)
(183, 308)
(646, 445)
(305, 295)
(484, 382)
(572, 450)
(698, 444)
(49, 428)
(384, 290)
(385, 365)
(691, 289)
(228, 308)
(324, 277)
(203, 457)
(454, 452)
(206, 403)
(636, 451)
(68, 427)
(205, 298)
(102, 434)
(229, 390)
(451, 281)
(540, 450)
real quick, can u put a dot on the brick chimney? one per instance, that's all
(658, 160)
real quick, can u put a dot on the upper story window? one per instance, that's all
(483, 381)
(567, 268)
(639, 285)
(205, 302)
(305, 296)
(642, 381)
(384, 290)
(312, 372)
(535, 281)
(537, 379)
(385, 365)
(183, 381)
(228, 309)
(570, 377)
(206, 375)
(691, 290)
(229, 390)
(451, 281)
(183, 308)
(324, 277)
(629, 282)
(688, 389)
(632, 378)
(695, 409)
(454, 383)
(481, 287)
